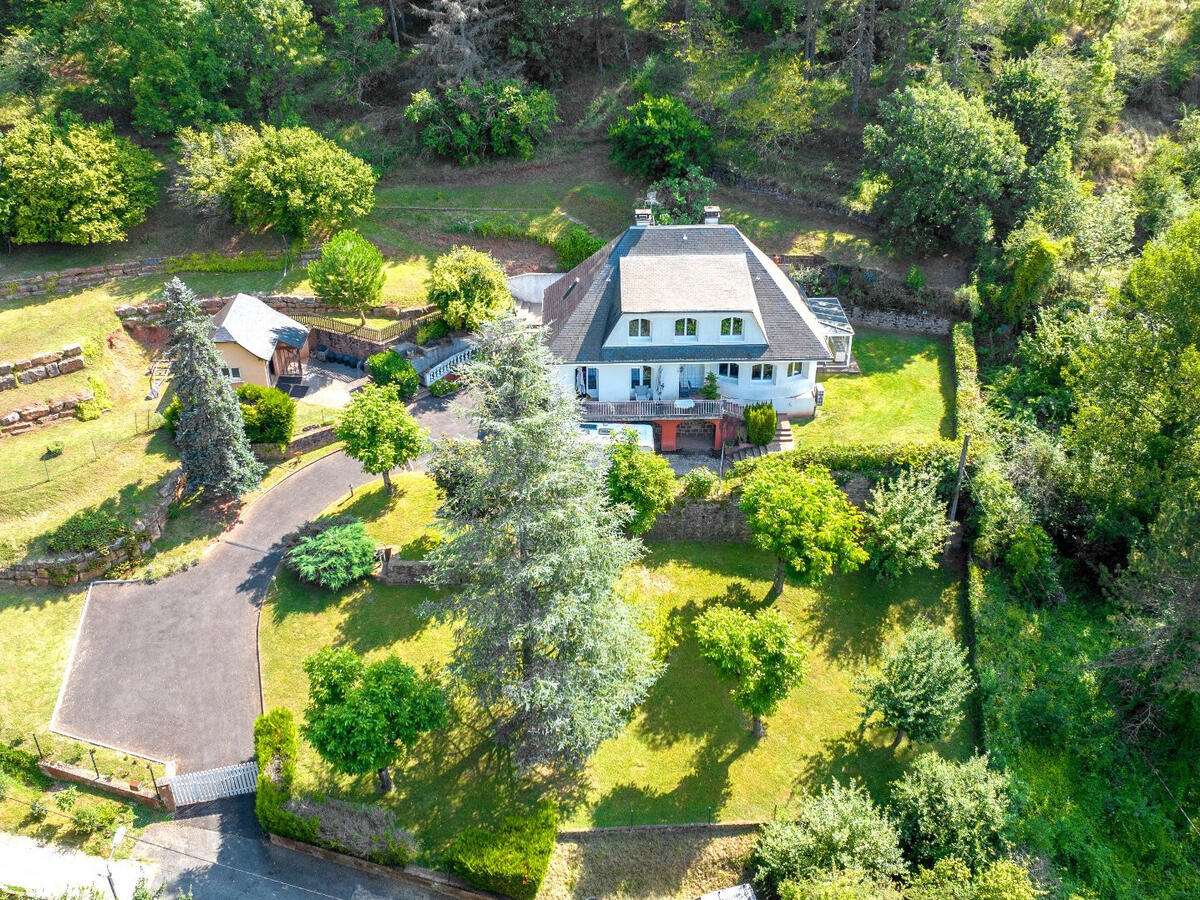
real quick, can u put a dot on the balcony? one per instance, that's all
(656, 410)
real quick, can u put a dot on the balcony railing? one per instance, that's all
(649, 410)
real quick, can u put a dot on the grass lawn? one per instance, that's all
(687, 755)
(905, 393)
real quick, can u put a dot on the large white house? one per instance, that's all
(649, 316)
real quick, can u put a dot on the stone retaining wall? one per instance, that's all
(701, 520)
(77, 278)
(72, 568)
(47, 412)
(41, 366)
(403, 571)
(895, 320)
(309, 440)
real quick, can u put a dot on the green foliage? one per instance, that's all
(759, 652)
(699, 482)
(660, 137)
(842, 884)
(24, 66)
(1032, 259)
(915, 279)
(969, 410)
(444, 386)
(67, 798)
(949, 166)
(210, 431)
(922, 685)
(574, 246)
(72, 183)
(362, 717)
(247, 261)
(680, 200)
(471, 121)
(874, 460)
(90, 410)
(54, 448)
(87, 531)
(288, 179)
(803, 518)
(334, 557)
(509, 858)
(1032, 561)
(838, 829)
(1035, 103)
(432, 330)
(639, 480)
(710, 390)
(23, 765)
(102, 818)
(950, 879)
(268, 413)
(469, 288)
(761, 422)
(906, 525)
(1169, 184)
(951, 809)
(379, 432)
(392, 368)
(349, 272)
(276, 744)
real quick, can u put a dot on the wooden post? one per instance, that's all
(962, 465)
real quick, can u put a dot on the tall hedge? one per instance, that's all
(761, 423)
(276, 743)
(509, 859)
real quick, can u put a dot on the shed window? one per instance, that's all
(685, 328)
(639, 328)
(232, 373)
(762, 372)
(731, 327)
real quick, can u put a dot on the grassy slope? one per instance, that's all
(687, 755)
(905, 393)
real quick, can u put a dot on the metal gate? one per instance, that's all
(213, 784)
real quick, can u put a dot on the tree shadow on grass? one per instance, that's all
(850, 757)
(382, 615)
(881, 352)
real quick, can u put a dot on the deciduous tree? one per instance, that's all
(469, 287)
(379, 432)
(362, 717)
(907, 528)
(640, 480)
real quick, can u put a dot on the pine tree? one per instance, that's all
(461, 44)
(210, 433)
(532, 551)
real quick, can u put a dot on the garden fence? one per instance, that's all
(374, 335)
(214, 784)
(80, 450)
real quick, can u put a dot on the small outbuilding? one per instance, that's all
(258, 344)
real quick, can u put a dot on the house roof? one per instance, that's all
(251, 324)
(675, 268)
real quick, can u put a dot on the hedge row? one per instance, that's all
(876, 461)
(969, 409)
(253, 261)
(276, 744)
(509, 859)
(573, 244)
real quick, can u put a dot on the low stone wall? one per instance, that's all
(309, 440)
(701, 520)
(77, 278)
(41, 366)
(36, 415)
(398, 571)
(895, 320)
(76, 775)
(72, 568)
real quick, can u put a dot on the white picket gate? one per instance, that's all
(213, 784)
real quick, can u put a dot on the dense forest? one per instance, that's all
(1049, 145)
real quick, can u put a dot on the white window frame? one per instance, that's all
(639, 330)
(737, 328)
(687, 335)
(731, 373)
(644, 374)
(795, 370)
(233, 373)
(758, 372)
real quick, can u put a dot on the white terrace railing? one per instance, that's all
(645, 410)
(446, 366)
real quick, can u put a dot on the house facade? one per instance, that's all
(648, 317)
(257, 343)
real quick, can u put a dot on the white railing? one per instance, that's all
(213, 784)
(446, 366)
(640, 410)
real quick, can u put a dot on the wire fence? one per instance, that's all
(80, 451)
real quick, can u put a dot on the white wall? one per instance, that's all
(708, 330)
(532, 285)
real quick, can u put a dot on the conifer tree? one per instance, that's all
(532, 550)
(210, 432)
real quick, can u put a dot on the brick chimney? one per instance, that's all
(641, 217)
(712, 215)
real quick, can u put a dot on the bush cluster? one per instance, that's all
(392, 368)
(89, 530)
(276, 743)
(509, 859)
(23, 765)
(469, 288)
(761, 422)
(443, 386)
(432, 330)
(472, 121)
(699, 482)
(876, 461)
(269, 414)
(659, 137)
(335, 556)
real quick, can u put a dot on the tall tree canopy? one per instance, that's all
(209, 432)
(379, 431)
(530, 559)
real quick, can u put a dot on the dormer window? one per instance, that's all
(685, 329)
(731, 328)
(639, 329)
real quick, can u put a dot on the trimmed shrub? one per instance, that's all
(335, 557)
(54, 448)
(89, 530)
(269, 414)
(969, 408)
(349, 273)
(392, 368)
(659, 136)
(276, 743)
(469, 288)
(444, 386)
(432, 330)
(252, 261)
(875, 461)
(509, 859)
(574, 246)
(761, 422)
(699, 482)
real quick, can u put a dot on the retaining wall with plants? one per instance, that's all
(898, 320)
(40, 366)
(309, 440)
(72, 568)
(47, 412)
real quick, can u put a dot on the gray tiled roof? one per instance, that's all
(247, 321)
(582, 307)
(650, 284)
